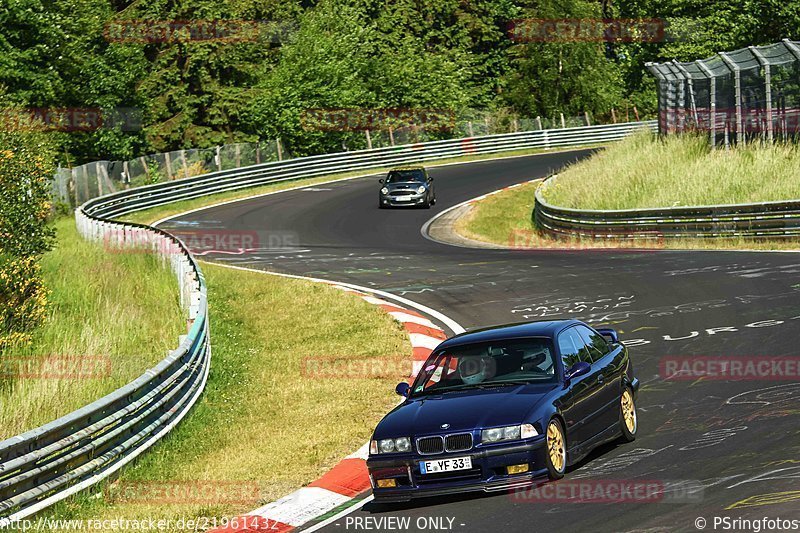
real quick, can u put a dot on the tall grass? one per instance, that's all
(644, 171)
(111, 316)
(263, 420)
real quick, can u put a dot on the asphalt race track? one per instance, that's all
(722, 448)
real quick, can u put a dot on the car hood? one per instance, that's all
(404, 185)
(464, 410)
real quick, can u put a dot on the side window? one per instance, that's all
(597, 344)
(572, 348)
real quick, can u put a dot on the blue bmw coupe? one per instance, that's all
(504, 407)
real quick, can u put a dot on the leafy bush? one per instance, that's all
(25, 174)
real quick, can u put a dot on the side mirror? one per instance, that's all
(610, 334)
(430, 178)
(402, 389)
(380, 180)
(578, 369)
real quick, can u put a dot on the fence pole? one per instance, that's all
(737, 85)
(168, 161)
(563, 124)
(767, 87)
(280, 148)
(238, 152)
(712, 104)
(539, 122)
(369, 140)
(690, 84)
(469, 128)
(183, 163)
(218, 158)
(258, 153)
(391, 135)
(613, 116)
(586, 115)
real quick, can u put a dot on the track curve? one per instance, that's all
(734, 443)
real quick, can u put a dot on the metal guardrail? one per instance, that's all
(761, 220)
(49, 463)
(42, 466)
(124, 202)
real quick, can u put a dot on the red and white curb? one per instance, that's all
(349, 478)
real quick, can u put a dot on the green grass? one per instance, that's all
(499, 218)
(644, 171)
(110, 317)
(149, 216)
(262, 420)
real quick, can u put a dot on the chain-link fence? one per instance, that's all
(74, 186)
(736, 97)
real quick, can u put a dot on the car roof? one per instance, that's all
(545, 328)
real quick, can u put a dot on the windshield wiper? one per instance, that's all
(487, 385)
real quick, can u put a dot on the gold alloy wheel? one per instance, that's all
(555, 446)
(628, 411)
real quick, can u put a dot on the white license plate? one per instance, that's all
(402, 198)
(445, 465)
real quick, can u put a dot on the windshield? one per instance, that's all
(397, 176)
(487, 364)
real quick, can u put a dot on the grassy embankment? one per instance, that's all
(268, 422)
(643, 171)
(111, 316)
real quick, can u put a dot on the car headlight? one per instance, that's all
(399, 445)
(525, 431)
(385, 190)
(421, 189)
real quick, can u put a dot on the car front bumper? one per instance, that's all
(408, 200)
(488, 471)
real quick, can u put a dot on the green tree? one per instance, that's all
(562, 75)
